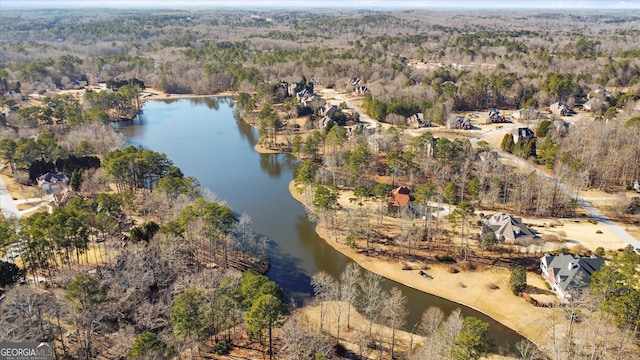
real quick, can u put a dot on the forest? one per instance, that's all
(168, 284)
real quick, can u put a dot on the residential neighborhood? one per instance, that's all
(365, 180)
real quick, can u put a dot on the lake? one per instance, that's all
(204, 137)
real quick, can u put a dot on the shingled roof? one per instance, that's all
(569, 273)
(400, 196)
(507, 228)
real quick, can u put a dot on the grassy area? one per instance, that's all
(19, 191)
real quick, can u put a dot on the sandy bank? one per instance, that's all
(350, 336)
(470, 288)
(263, 150)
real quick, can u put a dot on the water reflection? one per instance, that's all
(275, 164)
(287, 271)
(211, 102)
(246, 130)
(271, 165)
(218, 149)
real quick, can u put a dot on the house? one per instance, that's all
(417, 121)
(599, 92)
(527, 114)
(593, 104)
(508, 229)
(324, 122)
(569, 273)
(400, 197)
(636, 186)
(300, 95)
(291, 89)
(522, 135)
(560, 109)
(330, 111)
(460, 122)
(495, 117)
(77, 85)
(313, 101)
(50, 182)
(361, 90)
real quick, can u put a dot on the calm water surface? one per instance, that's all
(205, 139)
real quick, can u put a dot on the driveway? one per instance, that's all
(506, 127)
(7, 204)
(584, 202)
(364, 118)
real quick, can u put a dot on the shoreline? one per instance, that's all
(160, 95)
(467, 288)
(472, 288)
(475, 294)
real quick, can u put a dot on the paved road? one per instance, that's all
(584, 202)
(7, 205)
(369, 122)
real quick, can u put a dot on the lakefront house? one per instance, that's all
(568, 274)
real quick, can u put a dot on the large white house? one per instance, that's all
(569, 273)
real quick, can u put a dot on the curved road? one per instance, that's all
(370, 123)
(620, 232)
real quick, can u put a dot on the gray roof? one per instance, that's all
(53, 178)
(508, 226)
(559, 105)
(572, 272)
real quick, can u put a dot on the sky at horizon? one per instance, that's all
(338, 4)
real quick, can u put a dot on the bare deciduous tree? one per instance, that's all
(25, 314)
(326, 289)
(349, 287)
(395, 312)
(301, 342)
(371, 298)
